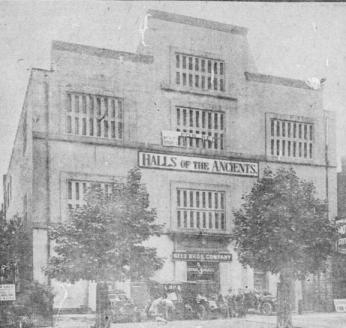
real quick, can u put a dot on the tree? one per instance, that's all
(32, 298)
(283, 228)
(15, 250)
(104, 240)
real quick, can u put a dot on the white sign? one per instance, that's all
(340, 305)
(7, 292)
(342, 245)
(204, 257)
(341, 225)
(171, 138)
(197, 164)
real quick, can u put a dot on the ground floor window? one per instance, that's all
(206, 275)
(203, 271)
(260, 280)
(77, 190)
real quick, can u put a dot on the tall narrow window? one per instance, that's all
(94, 116)
(77, 190)
(199, 72)
(203, 209)
(290, 139)
(200, 128)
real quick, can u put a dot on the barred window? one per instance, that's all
(200, 209)
(94, 116)
(291, 139)
(199, 72)
(201, 128)
(77, 189)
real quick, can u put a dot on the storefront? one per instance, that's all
(203, 268)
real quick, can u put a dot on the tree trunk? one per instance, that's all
(102, 305)
(284, 311)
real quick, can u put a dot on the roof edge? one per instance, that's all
(101, 52)
(287, 82)
(199, 22)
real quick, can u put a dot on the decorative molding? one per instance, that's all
(271, 79)
(140, 146)
(101, 52)
(199, 22)
(167, 88)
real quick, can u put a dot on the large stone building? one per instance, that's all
(339, 263)
(191, 110)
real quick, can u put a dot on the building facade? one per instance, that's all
(190, 109)
(339, 261)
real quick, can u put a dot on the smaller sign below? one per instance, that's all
(171, 138)
(342, 245)
(195, 256)
(7, 292)
(340, 305)
(341, 225)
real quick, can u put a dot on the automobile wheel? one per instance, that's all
(202, 313)
(267, 308)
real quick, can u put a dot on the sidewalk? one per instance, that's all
(87, 321)
(311, 320)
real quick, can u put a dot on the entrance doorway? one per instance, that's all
(206, 274)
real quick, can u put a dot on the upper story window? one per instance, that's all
(203, 128)
(291, 139)
(200, 209)
(199, 72)
(77, 189)
(94, 116)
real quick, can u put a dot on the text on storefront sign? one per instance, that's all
(194, 256)
(197, 164)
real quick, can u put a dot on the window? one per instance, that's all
(94, 116)
(77, 189)
(200, 209)
(291, 139)
(260, 280)
(202, 128)
(199, 72)
(207, 271)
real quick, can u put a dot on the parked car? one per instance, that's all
(188, 300)
(251, 301)
(267, 303)
(260, 302)
(122, 308)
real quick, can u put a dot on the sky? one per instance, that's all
(294, 40)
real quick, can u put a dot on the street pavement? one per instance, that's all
(310, 320)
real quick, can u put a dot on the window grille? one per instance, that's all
(201, 128)
(291, 139)
(94, 116)
(201, 209)
(77, 190)
(199, 72)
